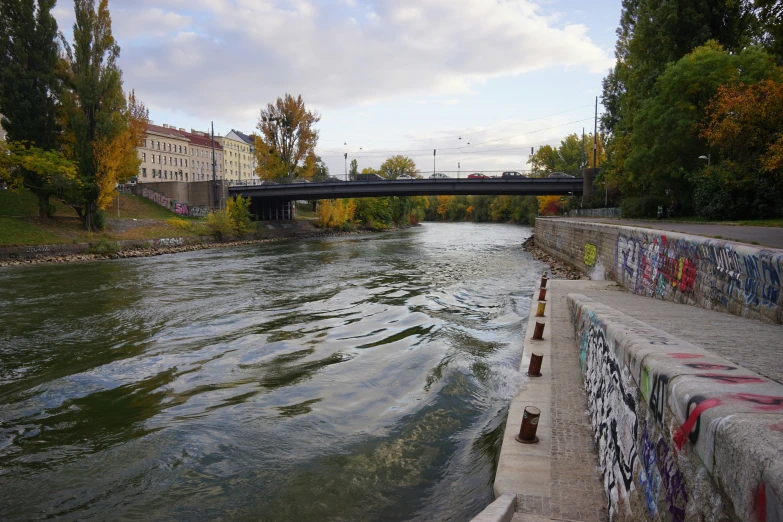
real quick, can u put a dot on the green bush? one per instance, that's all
(104, 247)
(644, 207)
(238, 210)
(99, 218)
(219, 225)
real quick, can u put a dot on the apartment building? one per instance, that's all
(172, 154)
(252, 147)
(237, 157)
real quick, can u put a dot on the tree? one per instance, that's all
(320, 170)
(102, 127)
(29, 87)
(354, 171)
(544, 159)
(665, 144)
(744, 131)
(288, 135)
(52, 169)
(397, 166)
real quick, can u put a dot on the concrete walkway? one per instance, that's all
(766, 236)
(558, 478)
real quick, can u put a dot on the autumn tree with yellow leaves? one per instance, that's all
(102, 128)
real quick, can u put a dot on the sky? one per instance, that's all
(480, 81)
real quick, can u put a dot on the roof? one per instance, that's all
(202, 141)
(195, 139)
(247, 139)
(166, 131)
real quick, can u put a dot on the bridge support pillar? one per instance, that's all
(587, 184)
(266, 209)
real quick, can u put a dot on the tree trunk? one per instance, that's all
(43, 203)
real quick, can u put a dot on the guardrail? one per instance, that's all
(614, 212)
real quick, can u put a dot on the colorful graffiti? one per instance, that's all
(178, 207)
(590, 253)
(708, 271)
(611, 400)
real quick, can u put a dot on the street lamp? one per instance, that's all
(707, 157)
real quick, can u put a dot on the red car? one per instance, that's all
(477, 176)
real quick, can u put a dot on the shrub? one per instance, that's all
(238, 210)
(104, 247)
(179, 224)
(219, 225)
(99, 218)
(643, 207)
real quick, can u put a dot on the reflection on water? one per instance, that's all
(348, 378)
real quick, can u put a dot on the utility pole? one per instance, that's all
(214, 170)
(458, 169)
(583, 150)
(433, 161)
(595, 153)
(346, 166)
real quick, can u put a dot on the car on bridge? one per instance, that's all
(560, 175)
(439, 175)
(369, 177)
(513, 175)
(476, 175)
(404, 176)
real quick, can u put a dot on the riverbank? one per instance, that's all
(65, 253)
(558, 269)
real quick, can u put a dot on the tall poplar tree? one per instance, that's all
(29, 86)
(103, 128)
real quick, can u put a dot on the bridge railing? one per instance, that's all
(614, 212)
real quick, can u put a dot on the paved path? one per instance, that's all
(749, 343)
(767, 236)
(558, 479)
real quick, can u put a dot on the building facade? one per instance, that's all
(237, 158)
(171, 154)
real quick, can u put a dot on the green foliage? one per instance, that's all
(104, 247)
(238, 210)
(481, 209)
(28, 85)
(219, 225)
(397, 166)
(21, 232)
(354, 170)
(641, 207)
(99, 219)
(179, 223)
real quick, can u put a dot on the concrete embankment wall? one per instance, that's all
(682, 434)
(713, 274)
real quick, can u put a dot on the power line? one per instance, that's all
(471, 133)
(361, 154)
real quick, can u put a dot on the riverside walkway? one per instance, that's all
(560, 477)
(765, 236)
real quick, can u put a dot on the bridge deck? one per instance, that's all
(414, 187)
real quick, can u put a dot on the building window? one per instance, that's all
(143, 173)
(186, 163)
(143, 156)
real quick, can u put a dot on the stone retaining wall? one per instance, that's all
(713, 274)
(682, 434)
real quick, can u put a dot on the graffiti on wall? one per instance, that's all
(590, 253)
(178, 207)
(656, 266)
(611, 397)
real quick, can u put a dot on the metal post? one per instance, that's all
(538, 332)
(346, 166)
(433, 161)
(534, 368)
(214, 170)
(527, 431)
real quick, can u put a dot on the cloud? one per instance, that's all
(227, 58)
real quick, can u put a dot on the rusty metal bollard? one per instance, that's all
(543, 280)
(542, 294)
(527, 432)
(541, 309)
(538, 332)
(534, 369)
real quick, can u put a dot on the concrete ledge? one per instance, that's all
(501, 510)
(680, 431)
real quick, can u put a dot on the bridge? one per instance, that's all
(273, 201)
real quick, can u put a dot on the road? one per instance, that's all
(766, 236)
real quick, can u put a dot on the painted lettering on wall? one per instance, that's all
(590, 253)
(611, 400)
(171, 241)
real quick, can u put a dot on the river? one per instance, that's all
(361, 377)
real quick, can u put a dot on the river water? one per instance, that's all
(345, 378)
